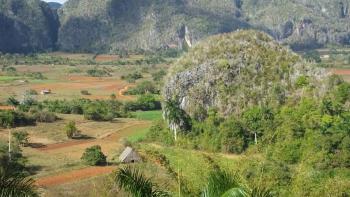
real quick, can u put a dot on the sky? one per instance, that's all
(59, 1)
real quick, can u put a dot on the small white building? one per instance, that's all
(129, 156)
(45, 91)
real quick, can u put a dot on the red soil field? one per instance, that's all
(7, 108)
(74, 176)
(341, 71)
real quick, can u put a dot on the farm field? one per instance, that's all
(67, 81)
(52, 159)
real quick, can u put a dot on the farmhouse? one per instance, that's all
(129, 156)
(45, 91)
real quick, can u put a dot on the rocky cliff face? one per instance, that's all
(301, 23)
(232, 72)
(109, 25)
(27, 26)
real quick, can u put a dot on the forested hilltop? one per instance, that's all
(243, 93)
(113, 25)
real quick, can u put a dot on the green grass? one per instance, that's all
(4, 79)
(148, 115)
(138, 136)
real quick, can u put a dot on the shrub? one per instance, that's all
(302, 81)
(21, 137)
(14, 119)
(31, 92)
(94, 156)
(37, 75)
(85, 92)
(131, 78)
(45, 116)
(113, 96)
(145, 102)
(313, 55)
(95, 113)
(158, 76)
(159, 132)
(143, 88)
(97, 73)
(71, 129)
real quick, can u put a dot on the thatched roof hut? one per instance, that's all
(129, 156)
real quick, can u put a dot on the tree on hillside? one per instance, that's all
(134, 182)
(177, 118)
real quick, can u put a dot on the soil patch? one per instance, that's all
(74, 176)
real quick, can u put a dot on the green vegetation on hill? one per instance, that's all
(243, 93)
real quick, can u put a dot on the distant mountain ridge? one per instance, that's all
(27, 26)
(112, 25)
(151, 24)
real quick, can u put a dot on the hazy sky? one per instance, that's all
(59, 1)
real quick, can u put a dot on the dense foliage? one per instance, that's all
(9, 119)
(291, 119)
(132, 77)
(94, 156)
(143, 88)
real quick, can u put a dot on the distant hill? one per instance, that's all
(300, 23)
(109, 25)
(235, 71)
(54, 5)
(27, 26)
(113, 24)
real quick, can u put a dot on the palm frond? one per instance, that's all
(219, 182)
(261, 192)
(15, 185)
(235, 192)
(136, 184)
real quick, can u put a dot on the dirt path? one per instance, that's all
(123, 90)
(75, 175)
(7, 108)
(341, 71)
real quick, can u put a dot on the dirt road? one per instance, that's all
(75, 175)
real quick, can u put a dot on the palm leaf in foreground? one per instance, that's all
(222, 183)
(136, 184)
(16, 186)
(225, 184)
